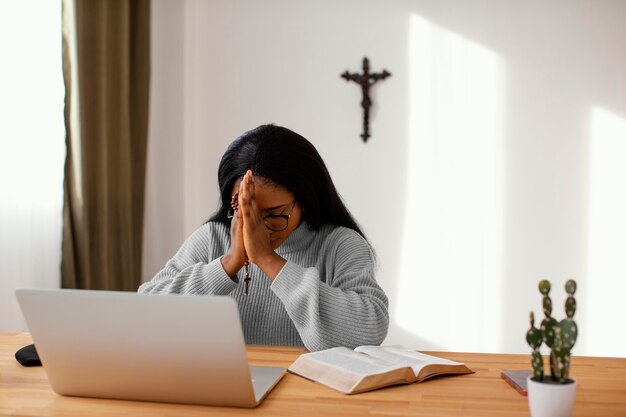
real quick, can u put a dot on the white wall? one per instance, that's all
(32, 152)
(488, 164)
(164, 200)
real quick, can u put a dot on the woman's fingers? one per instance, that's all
(246, 189)
(233, 260)
(255, 234)
(247, 202)
(237, 229)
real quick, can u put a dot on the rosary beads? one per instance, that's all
(246, 277)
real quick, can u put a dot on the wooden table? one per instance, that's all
(601, 391)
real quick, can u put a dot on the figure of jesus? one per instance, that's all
(365, 80)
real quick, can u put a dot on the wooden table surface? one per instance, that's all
(601, 391)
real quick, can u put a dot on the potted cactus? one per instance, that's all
(552, 395)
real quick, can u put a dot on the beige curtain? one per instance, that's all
(106, 65)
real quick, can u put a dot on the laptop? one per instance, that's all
(163, 348)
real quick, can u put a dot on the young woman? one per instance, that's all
(285, 247)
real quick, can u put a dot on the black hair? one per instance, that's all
(289, 160)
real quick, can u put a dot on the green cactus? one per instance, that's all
(560, 337)
(570, 303)
(544, 288)
(548, 324)
(534, 338)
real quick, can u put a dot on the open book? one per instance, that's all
(371, 367)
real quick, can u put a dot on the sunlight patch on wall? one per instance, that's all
(32, 151)
(32, 131)
(606, 277)
(451, 260)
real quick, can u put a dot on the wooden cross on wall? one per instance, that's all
(366, 80)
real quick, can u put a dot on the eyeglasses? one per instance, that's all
(278, 222)
(274, 222)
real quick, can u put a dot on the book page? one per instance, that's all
(343, 369)
(351, 361)
(400, 356)
(371, 367)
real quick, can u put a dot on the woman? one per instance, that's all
(285, 247)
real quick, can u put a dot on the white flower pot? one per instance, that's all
(550, 399)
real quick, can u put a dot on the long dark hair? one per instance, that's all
(287, 159)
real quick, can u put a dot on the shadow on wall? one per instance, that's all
(509, 180)
(409, 339)
(449, 284)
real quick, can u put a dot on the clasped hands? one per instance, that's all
(250, 239)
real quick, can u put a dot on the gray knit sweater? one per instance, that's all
(325, 295)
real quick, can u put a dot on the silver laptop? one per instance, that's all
(164, 348)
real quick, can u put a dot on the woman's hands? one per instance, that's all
(256, 237)
(234, 260)
(250, 239)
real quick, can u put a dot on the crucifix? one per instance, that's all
(366, 80)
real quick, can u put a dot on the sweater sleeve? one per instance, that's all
(345, 309)
(192, 270)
